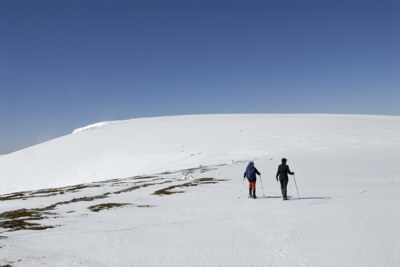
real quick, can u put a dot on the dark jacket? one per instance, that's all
(283, 171)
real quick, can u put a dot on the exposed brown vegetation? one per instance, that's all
(106, 206)
(172, 189)
(22, 219)
(29, 219)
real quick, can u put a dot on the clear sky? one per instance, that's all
(65, 64)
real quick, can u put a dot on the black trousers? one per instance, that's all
(284, 182)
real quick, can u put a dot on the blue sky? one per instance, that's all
(65, 64)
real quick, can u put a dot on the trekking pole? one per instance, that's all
(241, 188)
(262, 187)
(296, 186)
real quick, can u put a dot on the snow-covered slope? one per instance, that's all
(346, 171)
(145, 146)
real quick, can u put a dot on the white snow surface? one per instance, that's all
(347, 176)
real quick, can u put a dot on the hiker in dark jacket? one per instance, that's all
(250, 174)
(282, 176)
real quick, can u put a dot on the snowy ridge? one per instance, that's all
(94, 126)
(152, 145)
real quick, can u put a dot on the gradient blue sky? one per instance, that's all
(65, 64)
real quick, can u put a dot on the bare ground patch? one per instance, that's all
(175, 188)
(30, 219)
(24, 219)
(107, 206)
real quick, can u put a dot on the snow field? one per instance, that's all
(346, 171)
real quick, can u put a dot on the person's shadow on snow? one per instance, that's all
(296, 198)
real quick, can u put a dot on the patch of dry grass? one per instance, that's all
(107, 206)
(22, 219)
(172, 189)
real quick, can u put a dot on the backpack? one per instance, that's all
(250, 171)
